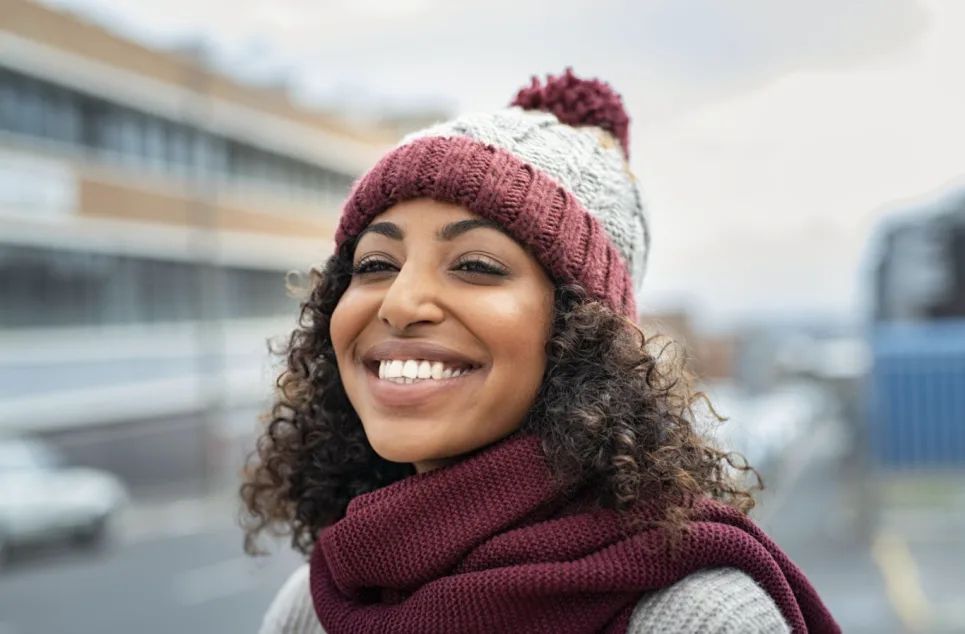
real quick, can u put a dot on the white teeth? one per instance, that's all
(425, 370)
(412, 371)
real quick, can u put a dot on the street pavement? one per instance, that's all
(906, 576)
(178, 567)
(803, 513)
(165, 583)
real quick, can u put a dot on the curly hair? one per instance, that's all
(614, 413)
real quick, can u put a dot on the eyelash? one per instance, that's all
(481, 265)
(371, 265)
(474, 266)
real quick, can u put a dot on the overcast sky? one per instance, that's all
(769, 134)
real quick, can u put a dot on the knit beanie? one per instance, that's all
(543, 170)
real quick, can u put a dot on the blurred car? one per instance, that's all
(764, 427)
(41, 500)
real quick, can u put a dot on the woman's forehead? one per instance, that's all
(424, 210)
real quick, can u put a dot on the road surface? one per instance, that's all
(194, 583)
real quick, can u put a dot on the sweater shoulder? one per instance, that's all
(291, 611)
(713, 601)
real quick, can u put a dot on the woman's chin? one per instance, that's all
(426, 443)
(415, 451)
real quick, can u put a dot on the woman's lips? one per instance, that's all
(404, 350)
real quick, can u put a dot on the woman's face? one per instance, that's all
(440, 337)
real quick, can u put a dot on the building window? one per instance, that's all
(8, 103)
(44, 287)
(44, 110)
(62, 117)
(179, 148)
(154, 143)
(100, 129)
(30, 117)
(131, 140)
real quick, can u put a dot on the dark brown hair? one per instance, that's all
(615, 413)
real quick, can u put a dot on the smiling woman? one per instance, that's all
(472, 435)
(435, 289)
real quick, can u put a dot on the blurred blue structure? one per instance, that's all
(916, 390)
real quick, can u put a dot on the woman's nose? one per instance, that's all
(411, 299)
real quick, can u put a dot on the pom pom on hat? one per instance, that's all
(579, 102)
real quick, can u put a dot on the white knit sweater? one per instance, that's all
(716, 601)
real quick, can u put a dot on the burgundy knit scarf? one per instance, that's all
(486, 546)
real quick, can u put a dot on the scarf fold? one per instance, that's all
(488, 545)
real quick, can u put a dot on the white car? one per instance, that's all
(41, 500)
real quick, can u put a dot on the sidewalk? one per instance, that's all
(900, 582)
(160, 518)
(921, 549)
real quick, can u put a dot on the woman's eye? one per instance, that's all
(483, 266)
(373, 266)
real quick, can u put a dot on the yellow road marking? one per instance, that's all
(902, 581)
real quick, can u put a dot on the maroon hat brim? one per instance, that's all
(495, 184)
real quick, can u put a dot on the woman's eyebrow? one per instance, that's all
(455, 229)
(388, 229)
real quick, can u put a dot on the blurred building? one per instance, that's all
(710, 357)
(917, 338)
(919, 272)
(149, 211)
(404, 122)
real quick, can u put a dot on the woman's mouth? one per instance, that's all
(409, 371)
(417, 374)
